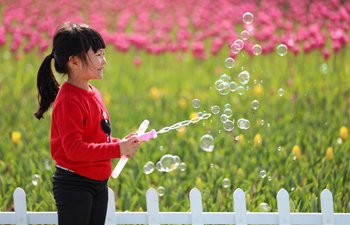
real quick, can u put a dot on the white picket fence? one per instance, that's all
(240, 216)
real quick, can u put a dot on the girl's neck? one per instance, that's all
(80, 83)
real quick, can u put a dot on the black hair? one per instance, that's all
(70, 39)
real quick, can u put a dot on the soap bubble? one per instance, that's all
(226, 78)
(161, 191)
(159, 166)
(215, 109)
(262, 173)
(47, 164)
(218, 84)
(282, 50)
(248, 18)
(226, 183)
(245, 35)
(233, 86)
(243, 77)
(280, 92)
(264, 207)
(262, 122)
(35, 179)
(207, 143)
(240, 90)
(223, 118)
(196, 103)
(239, 43)
(255, 104)
(227, 106)
(230, 62)
(177, 160)
(257, 50)
(235, 48)
(148, 167)
(228, 125)
(224, 88)
(228, 112)
(243, 124)
(324, 68)
(183, 167)
(167, 163)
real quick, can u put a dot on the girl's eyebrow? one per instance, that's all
(101, 51)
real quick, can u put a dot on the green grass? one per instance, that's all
(310, 113)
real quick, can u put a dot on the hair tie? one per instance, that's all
(52, 55)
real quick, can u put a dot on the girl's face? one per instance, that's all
(95, 64)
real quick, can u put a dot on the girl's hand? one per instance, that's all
(129, 145)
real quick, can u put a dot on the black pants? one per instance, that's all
(79, 200)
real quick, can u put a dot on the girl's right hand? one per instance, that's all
(129, 145)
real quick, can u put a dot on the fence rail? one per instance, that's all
(196, 216)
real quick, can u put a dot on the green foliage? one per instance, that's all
(310, 113)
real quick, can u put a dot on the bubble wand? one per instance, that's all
(142, 136)
(124, 159)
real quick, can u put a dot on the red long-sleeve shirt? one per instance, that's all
(78, 141)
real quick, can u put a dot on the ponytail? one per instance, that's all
(47, 86)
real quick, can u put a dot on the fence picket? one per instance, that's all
(110, 220)
(196, 206)
(327, 207)
(240, 207)
(152, 206)
(20, 202)
(283, 207)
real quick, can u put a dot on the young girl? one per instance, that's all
(81, 141)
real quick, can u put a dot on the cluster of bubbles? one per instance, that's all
(257, 49)
(167, 163)
(225, 85)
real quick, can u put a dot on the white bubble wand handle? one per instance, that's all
(142, 136)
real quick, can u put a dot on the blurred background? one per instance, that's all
(274, 76)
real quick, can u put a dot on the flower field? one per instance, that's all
(280, 117)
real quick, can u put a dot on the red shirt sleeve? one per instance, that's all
(69, 119)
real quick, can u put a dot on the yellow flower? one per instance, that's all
(258, 90)
(258, 140)
(182, 103)
(296, 151)
(107, 99)
(344, 133)
(181, 131)
(154, 93)
(329, 153)
(199, 183)
(16, 137)
(193, 115)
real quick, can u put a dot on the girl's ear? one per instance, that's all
(74, 60)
